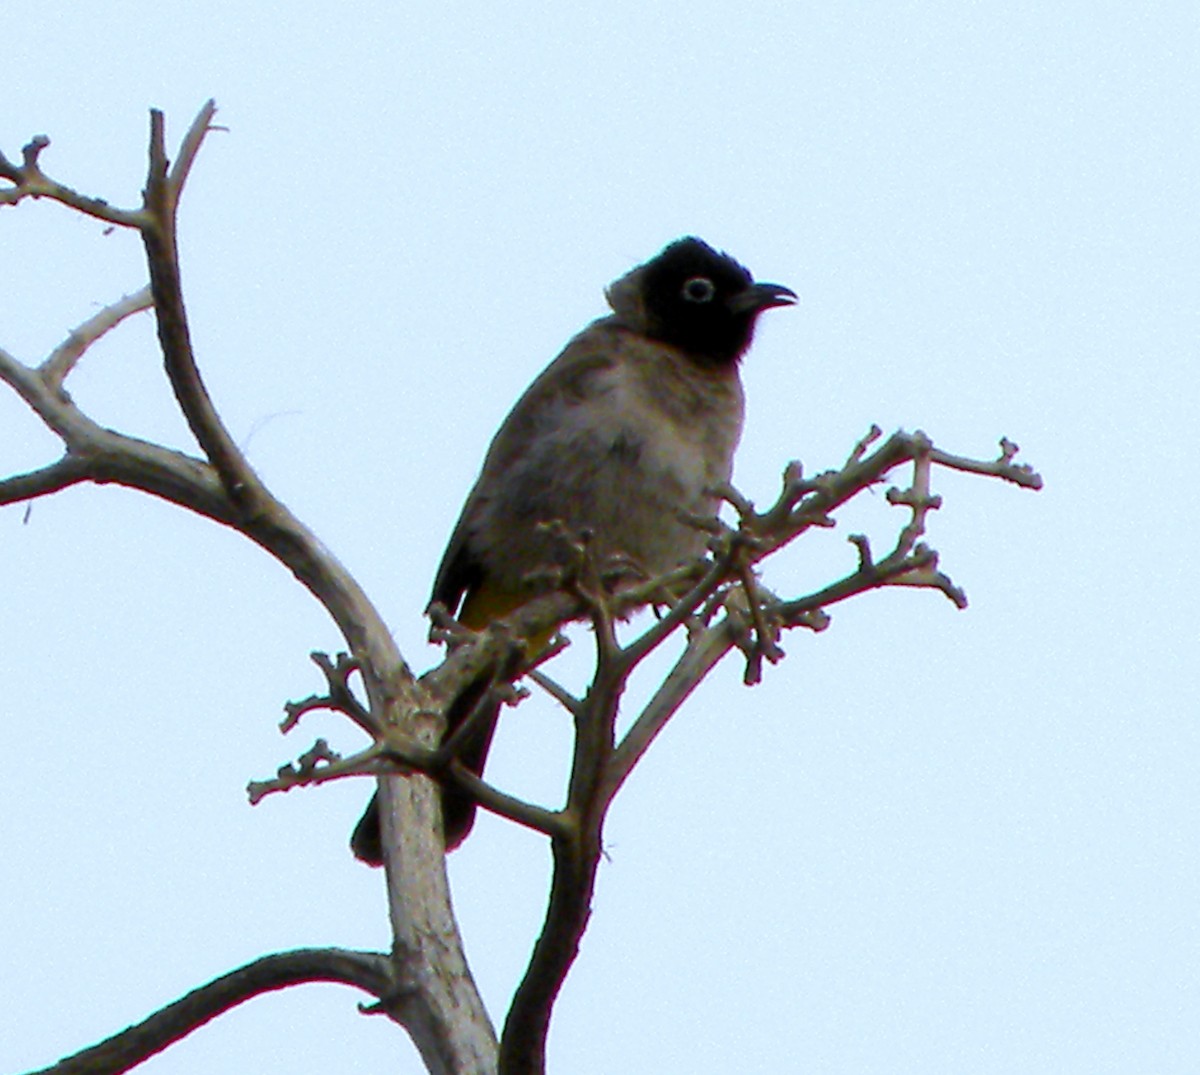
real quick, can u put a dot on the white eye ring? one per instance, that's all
(699, 289)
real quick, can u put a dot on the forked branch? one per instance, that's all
(444, 1015)
(726, 608)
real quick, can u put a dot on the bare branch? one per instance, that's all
(64, 357)
(523, 1041)
(735, 498)
(318, 765)
(556, 691)
(29, 181)
(795, 488)
(491, 798)
(18, 174)
(162, 257)
(893, 571)
(763, 642)
(29, 385)
(860, 449)
(715, 573)
(101, 455)
(68, 471)
(1018, 473)
(752, 621)
(578, 839)
(925, 575)
(340, 697)
(703, 653)
(802, 504)
(368, 971)
(190, 147)
(445, 1016)
(406, 719)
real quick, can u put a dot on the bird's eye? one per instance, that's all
(699, 289)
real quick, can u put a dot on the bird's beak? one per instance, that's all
(758, 297)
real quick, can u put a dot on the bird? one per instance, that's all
(625, 436)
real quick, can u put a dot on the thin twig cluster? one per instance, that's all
(725, 607)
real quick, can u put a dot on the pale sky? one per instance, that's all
(932, 841)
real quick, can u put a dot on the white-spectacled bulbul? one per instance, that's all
(624, 435)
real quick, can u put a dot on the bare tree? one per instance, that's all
(717, 605)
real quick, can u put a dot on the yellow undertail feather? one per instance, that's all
(488, 603)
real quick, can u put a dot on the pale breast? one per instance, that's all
(623, 455)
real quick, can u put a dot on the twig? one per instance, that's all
(703, 653)
(319, 765)
(926, 576)
(898, 571)
(64, 357)
(190, 147)
(1018, 473)
(159, 238)
(860, 449)
(794, 488)
(491, 798)
(340, 697)
(714, 574)
(556, 691)
(765, 635)
(29, 181)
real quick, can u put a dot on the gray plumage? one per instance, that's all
(623, 435)
(620, 435)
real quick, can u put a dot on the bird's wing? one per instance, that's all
(566, 379)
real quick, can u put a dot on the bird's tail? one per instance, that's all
(458, 806)
(483, 605)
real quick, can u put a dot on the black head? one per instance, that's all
(700, 300)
